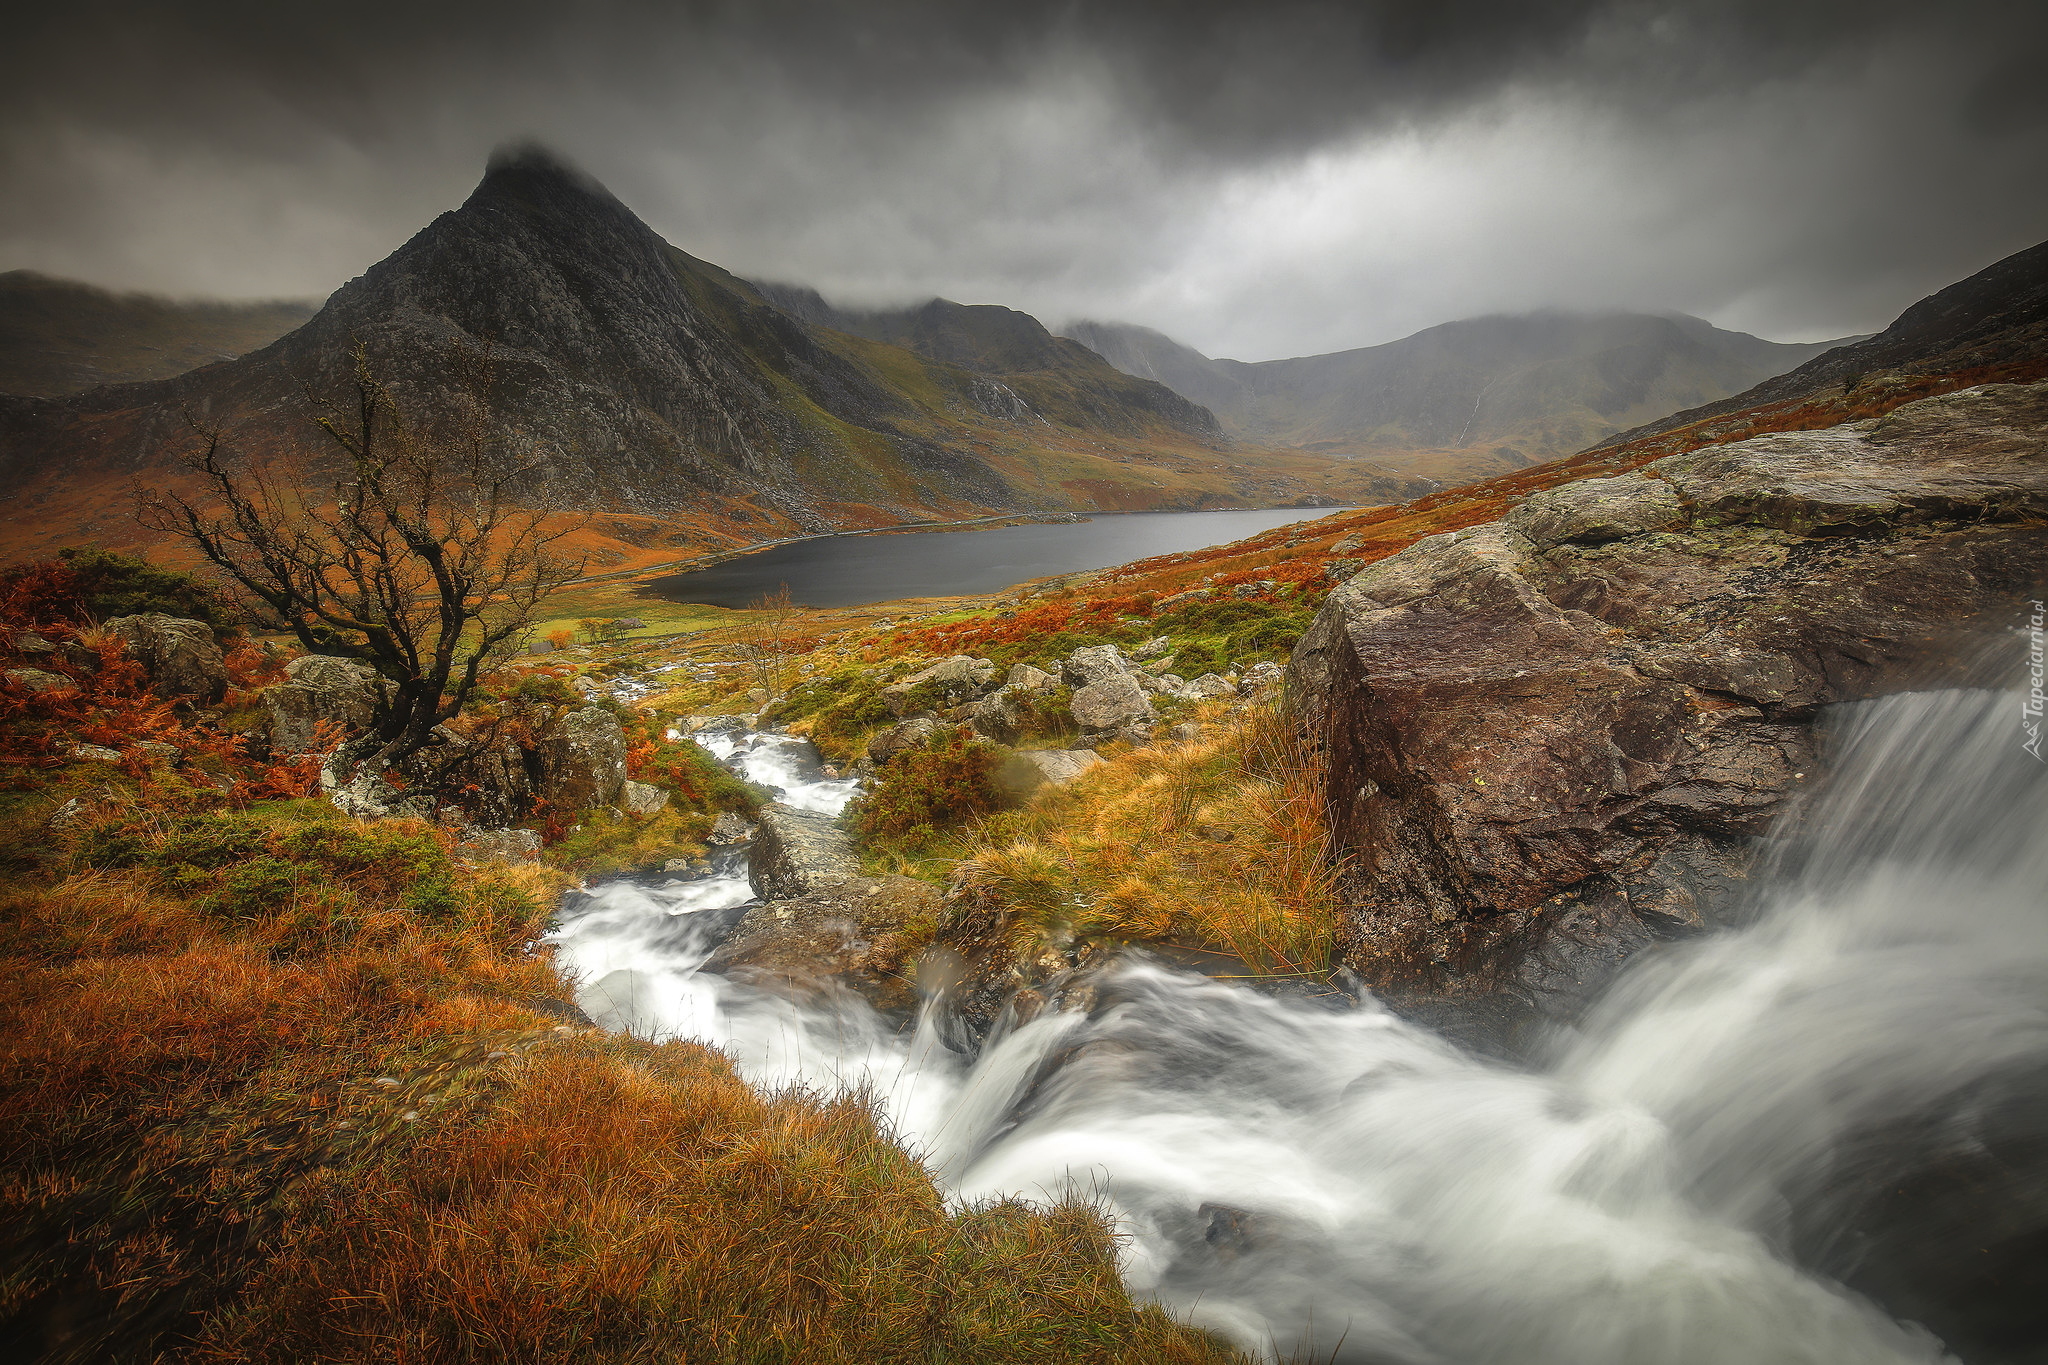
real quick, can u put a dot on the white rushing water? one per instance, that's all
(1348, 1184)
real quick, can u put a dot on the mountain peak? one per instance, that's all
(528, 170)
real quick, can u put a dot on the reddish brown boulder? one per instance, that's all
(1557, 737)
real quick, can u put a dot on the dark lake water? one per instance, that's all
(846, 571)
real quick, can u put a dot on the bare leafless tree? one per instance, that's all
(421, 555)
(766, 640)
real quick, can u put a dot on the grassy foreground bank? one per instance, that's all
(351, 1123)
(278, 1085)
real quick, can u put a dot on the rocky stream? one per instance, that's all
(1693, 1173)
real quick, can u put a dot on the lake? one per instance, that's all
(848, 571)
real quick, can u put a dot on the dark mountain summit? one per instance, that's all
(639, 378)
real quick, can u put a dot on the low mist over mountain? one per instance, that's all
(636, 378)
(1468, 398)
(59, 337)
(1991, 326)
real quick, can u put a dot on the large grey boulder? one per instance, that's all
(1025, 678)
(1593, 511)
(1556, 737)
(585, 760)
(947, 683)
(320, 689)
(1107, 695)
(995, 717)
(914, 733)
(797, 852)
(182, 657)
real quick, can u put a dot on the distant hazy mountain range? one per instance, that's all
(1466, 399)
(58, 337)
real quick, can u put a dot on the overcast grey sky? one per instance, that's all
(1255, 179)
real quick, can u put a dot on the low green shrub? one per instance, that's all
(920, 793)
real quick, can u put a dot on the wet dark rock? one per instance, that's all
(797, 852)
(856, 931)
(730, 828)
(1554, 739)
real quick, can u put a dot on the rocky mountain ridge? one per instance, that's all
(1996, 317)
(1468, 398)
(993, 340)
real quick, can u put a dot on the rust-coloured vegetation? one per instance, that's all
(280, 1085)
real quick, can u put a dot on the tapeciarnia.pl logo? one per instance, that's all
(2037, 671)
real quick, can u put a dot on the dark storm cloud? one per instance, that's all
(1798, 167)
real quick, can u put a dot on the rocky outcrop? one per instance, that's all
(585, 760)
(1107, 696)
(38, 680)
(319, 690)
(730, 828)
(914, 733)
(857, 931)
(1556, 737)
(798, 852)
(181, 656)
(949, 682)
(643, 798)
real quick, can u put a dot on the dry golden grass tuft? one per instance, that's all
(1219, 844)
(615, 1201)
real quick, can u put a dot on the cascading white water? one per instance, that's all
(1348, 1184)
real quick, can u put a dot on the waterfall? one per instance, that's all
(1687, 1176)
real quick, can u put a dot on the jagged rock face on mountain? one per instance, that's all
(624, 369)
(1555, 737)
(625, 374)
